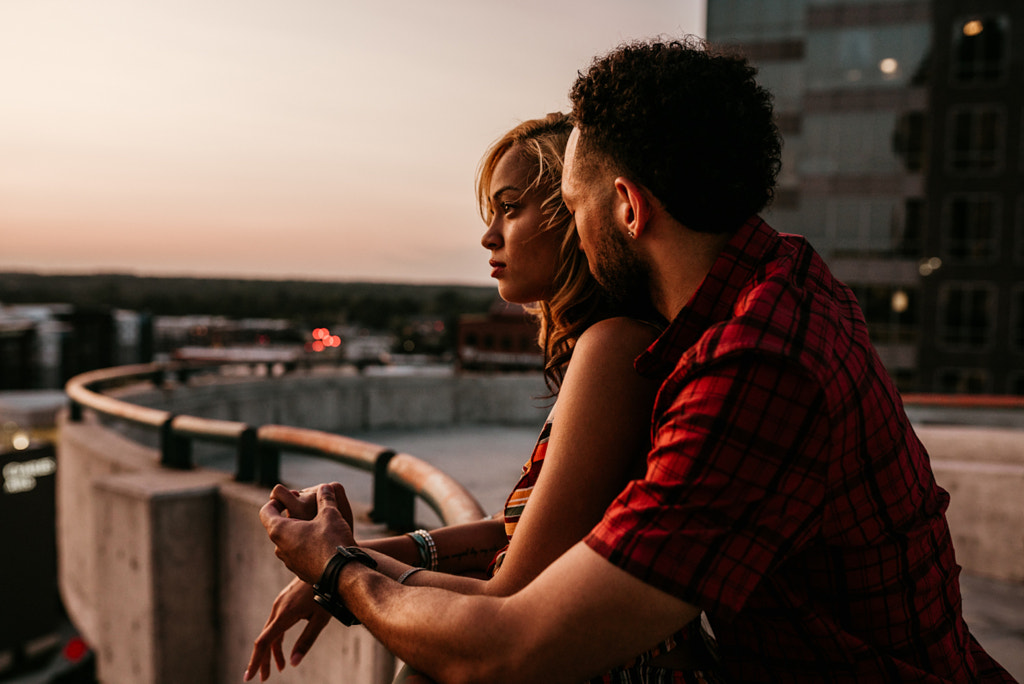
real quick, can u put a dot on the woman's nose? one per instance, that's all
(492, 236)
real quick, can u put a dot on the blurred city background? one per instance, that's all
(903, 165)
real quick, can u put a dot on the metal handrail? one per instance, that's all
(397, 478)
(980, 401)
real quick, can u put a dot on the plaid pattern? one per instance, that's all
(786, 493)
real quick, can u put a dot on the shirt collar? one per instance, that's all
(714, 300)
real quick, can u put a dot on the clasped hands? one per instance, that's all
(305, 527)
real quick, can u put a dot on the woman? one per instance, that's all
(596, 436)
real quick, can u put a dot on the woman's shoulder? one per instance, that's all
(603, 363)
(615, 337)
(620, 330)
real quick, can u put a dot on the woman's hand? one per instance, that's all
(294, 603)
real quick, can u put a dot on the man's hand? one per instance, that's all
(294, 603)
(301, 504)
(305, 546)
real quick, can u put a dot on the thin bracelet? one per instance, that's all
(421, 547)
(427, 548)
(407, 574)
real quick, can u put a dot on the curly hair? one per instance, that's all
(577, 301)
(689, 124)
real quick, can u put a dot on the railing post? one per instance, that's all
(393, 504)
(175, 450)
(248, 448)
(268, 465)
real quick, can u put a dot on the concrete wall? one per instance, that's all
(347, 402)
(170, 575)
(983, 471)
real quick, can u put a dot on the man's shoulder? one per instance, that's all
(791, 307)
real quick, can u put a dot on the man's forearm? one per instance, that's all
(450, 636)
(579, 618)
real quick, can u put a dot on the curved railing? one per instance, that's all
(397, 478)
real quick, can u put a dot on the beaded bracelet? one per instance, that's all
(425, 545)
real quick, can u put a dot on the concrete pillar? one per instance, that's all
(156, 571)
(250, 578)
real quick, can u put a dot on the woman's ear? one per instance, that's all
(633, 207)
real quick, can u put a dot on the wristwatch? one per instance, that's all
(326, 589)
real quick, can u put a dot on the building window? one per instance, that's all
(908, 140)
(1018, 238)
(963, 381)
(892, 313)
(970, 231)
(1017, 319)
(976, 139)
(909, 242)
(852, 143)
(980, 48)
(967, 316)
(867, 56)
(863, 226)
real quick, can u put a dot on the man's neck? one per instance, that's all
(680, 259)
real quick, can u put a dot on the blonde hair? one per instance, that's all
(577, 301)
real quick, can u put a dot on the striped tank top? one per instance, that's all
(638, 671)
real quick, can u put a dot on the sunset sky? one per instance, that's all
(318, 139)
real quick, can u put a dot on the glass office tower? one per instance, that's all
(902, 163)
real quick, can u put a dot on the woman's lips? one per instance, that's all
(497, 268)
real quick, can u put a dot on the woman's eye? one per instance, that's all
(507, 207)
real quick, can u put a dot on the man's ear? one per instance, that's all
(633, 207)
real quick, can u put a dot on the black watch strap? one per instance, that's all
(325, 591)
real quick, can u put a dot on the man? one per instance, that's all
(786, 494)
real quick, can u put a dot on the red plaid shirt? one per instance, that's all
(786, 493)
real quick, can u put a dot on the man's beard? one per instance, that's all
(620, 271)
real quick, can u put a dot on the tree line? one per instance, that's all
(380, 306)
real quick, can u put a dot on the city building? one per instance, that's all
(903, 166)
(505, 338)
(44, 345)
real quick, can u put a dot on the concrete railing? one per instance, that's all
(169, 574)
(167, 571)
(179, 409)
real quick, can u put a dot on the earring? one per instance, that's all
(632, 234)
